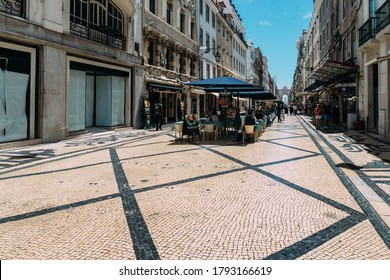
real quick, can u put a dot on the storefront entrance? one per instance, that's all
(17, 93)
(96, 97)
(167, 95)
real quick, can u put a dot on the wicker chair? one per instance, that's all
(210, 129)
(179, 131)
(249, 130)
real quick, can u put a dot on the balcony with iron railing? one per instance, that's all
(375, 24)
(13, 7)
(383, 16)
(367, 31)
(98, 33)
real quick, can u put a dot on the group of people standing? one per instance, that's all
(322, 111)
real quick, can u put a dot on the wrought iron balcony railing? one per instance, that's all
(383, 16)
(375, 24)
(13, 7)
(367, 30)
(101, 34)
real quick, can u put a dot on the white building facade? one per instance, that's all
(251, 75)
(374, 51)
(237, 40)
(207, 32)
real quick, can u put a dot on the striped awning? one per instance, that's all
(330, 70)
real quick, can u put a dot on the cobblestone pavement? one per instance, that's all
(297, 193)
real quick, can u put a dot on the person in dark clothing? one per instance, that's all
(279, 112)
(326, 115)
(260, 115)
(158, 115)
(250, 119)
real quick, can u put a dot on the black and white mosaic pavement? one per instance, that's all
(232, 204)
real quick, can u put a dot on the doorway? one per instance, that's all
(17, 93)
(373, 102)
(96, 98)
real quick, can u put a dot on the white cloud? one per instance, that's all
(307, 15)
(265, 23)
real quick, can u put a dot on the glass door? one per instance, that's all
(77, 97)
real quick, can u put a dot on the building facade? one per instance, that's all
(305, 53)
(351, 68)
(208, 49)
(258, 79)
(331, 62)
(207, 39)
(251, 73)
(67, 66)
(236, 37)
(374, 53)
(170, 51)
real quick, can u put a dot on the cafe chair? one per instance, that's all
(218, 128)
(179, 130)
(249, 130)
(210, 129)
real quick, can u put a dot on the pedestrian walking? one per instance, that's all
(268, 114)
(309, 109)
(327, 115)
(295, 109)
(237, 120)
(279, 112)
(318, 116)
(158, 115)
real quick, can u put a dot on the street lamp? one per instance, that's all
(203, 50)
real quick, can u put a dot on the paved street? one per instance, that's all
(297, 193)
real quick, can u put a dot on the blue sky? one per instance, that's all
(275, 26)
